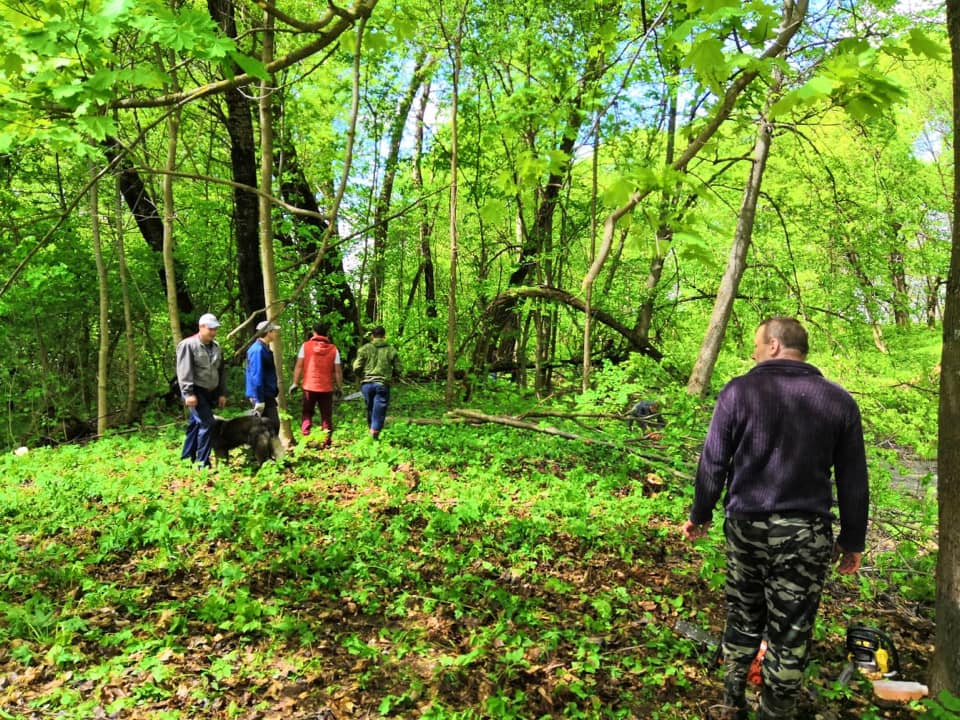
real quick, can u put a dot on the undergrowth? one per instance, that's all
(452, 570)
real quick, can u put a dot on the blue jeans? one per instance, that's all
(197, 443)
(377, 397)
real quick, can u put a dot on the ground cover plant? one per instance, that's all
(452, 570)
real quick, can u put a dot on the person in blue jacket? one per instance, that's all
(262, 387)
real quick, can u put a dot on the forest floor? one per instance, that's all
(365, 581)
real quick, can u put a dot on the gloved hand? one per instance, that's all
(292, 390)
(258, 408)
(338, 394)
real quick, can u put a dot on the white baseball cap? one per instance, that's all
(266, 326)
(210, 320)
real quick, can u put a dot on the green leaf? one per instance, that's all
(12, 64)
(494, 211)
(114, 8)
(706, 57)
(618, 192)
(923, 45)
(557, 161)
(815, 88)
(403, 29)
(950, 702)
(249, 65)
(375, 41)
(693, 247)
(96, 126)
(64, 92)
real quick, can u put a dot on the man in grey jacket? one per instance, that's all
(203, 385)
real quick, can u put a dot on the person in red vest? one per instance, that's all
(318, 362)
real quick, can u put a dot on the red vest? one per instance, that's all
(319, 359)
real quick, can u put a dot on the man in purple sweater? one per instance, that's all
(775, 435)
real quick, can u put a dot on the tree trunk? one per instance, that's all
(334, 296)
(336, 195)
(454, 238)
(901, 292)
(425, 227)
(243, 162)
(699, 380)
(148, 220)
(870, 304)
(170, 270)
(664, 235)
(535, 243)
(932, 305)
(131, 348)
(270, 292)
(945, 671)
(588, 295)
(382, 208)
(103, 355)
(563, 297)
(537, 240)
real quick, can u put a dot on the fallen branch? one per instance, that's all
(461, 414)
(574, 415)
(514, 422)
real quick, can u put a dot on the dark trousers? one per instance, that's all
(322, 401)
(775, 572)
(377, 397)
(197, 443)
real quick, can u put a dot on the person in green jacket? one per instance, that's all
(377, 364)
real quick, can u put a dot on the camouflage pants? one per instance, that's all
(775, 572)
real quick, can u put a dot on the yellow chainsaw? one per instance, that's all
(871, 652)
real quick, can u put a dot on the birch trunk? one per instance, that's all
(130, 410)
(267, 263)
(454, 239)
(699, 380)
(103, 354)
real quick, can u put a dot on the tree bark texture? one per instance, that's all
(699, 380)
(454, 237)
(870, 302)
(270, 287)
(664, 236)
(558, 295)
(130, 343)
(945, 673)
(901, 291)
(103, 354)
(381, 223)
(243, 162)
(334, 295)
(148, 220)
(425, 272)
(538, 239)
(169, 264)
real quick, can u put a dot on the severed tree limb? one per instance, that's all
(574, 415)
(477, 416)
(559, 295)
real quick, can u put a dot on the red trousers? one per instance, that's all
(311, 400)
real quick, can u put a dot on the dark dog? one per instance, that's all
(646, 413)
(259, 433)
